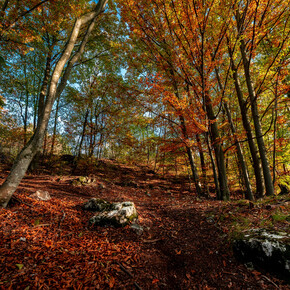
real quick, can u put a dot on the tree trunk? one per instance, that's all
(242, 162)
(275, 130)
(190, 158)
(247, 126)
(185, 136)
(55, 126)
(83, 133)
(203, 166)
(274, 146)
(219, 154)
(215, 176)
(43, 90)
(25, 157)
(257, 124)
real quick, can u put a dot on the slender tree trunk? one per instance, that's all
(25, 117)
(25, 121)
(203, 166)
(25, 157)
(100, 146)
(257, 124)
(45, 143)
(91, 136)
(190, 158)
(44, 86)
(83, 133)
(156, 157)
(275, 130)
(55, 126)
(219, 154)
(242, 162)
(274, 145)
(185, 136)
(41, 102)
(214, 132)
(214, 171)
(260, 189)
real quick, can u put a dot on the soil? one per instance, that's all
(48, 244)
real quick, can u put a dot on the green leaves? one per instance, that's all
(19, 266)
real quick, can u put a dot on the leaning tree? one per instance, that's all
(74, 48)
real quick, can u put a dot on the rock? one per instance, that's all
(41, 195)
(137, 228)
(97, 204)
(101, 186)
(120, 214)
(75, 182)
(83, 180)
(267, 250)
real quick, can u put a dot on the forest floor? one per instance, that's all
(185, 243)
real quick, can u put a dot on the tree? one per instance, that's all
(56, 86)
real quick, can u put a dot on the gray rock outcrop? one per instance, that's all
(266, 250)
(115, 214)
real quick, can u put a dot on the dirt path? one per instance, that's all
(179, 249)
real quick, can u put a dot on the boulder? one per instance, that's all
(137, 229)
(83, 180)
(115, 214)
(101, 186)
(97, 204)
(266, 250)
(41, 195)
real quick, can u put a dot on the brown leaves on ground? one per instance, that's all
(48, 245)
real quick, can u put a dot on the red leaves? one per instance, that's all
(177, 233)
(48, 244)
(112, 282)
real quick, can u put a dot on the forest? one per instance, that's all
(178, 107)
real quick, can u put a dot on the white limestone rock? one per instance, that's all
(120, 214)
(41, 195)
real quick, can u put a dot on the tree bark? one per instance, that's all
(215, 175)
(83, 133)
(242, 162)
(260, 188)
(190, 158)
(55, 126)
(55, 89)
(203, 166)
(219, 154)
(257, 124)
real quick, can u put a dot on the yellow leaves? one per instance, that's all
(19, 266)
